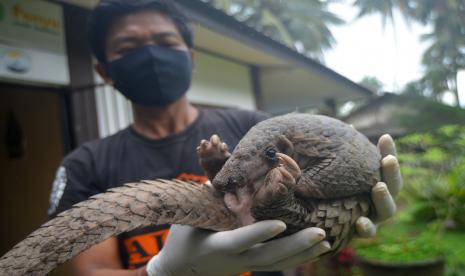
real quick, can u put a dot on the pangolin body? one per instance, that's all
(338, 166)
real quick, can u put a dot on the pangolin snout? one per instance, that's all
(230, 184)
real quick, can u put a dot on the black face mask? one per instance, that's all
(152, 75)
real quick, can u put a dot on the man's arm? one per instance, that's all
(102, 259)
(76, 181)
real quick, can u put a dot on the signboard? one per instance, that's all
(33, 66)
(32, 42)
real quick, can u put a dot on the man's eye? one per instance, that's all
(168, 45)
(124, 51)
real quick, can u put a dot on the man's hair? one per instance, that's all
(107, 11)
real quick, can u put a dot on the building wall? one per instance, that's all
(220, 82)
(114, 112)
(377, 120)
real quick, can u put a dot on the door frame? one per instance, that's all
(64, 99)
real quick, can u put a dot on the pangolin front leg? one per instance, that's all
(276, 199)
(279, 183)
(271, 197)
(213, 154)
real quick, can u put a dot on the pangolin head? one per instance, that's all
(254, 156)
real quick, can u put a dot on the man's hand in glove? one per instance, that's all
(190, 251)
(383, 193)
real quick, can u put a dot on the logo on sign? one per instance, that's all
(16, 61)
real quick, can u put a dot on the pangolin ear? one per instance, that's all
(285, 145)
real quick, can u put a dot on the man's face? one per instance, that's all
(140, 29)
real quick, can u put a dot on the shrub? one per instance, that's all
(433, 167)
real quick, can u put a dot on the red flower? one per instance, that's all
(345, 256)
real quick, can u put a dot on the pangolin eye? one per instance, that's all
(270, 154)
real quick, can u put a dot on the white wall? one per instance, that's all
(217, 82)
(221, 82)
(114, 112)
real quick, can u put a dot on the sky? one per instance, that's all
(390, 53)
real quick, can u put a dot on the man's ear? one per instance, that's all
(100, 68)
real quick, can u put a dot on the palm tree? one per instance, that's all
(372, 83)
(300, 24)
(446, 53)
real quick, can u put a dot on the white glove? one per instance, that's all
(191, 251)
(383, 193)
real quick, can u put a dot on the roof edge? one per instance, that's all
(221, 22)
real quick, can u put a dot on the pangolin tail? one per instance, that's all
(118, 210)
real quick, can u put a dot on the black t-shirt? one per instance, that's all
(128, 157)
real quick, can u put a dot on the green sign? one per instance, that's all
(34, 24)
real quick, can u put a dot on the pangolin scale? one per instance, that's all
(337, 168)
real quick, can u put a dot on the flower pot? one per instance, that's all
(434, 267)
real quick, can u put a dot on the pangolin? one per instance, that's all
(306, 170)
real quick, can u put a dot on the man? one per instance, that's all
(144, 49)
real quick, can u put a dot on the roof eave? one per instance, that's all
(221, 22)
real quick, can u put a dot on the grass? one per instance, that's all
(405, 242)
(401, 243)
(454, 242)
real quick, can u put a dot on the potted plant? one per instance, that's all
(402, 249)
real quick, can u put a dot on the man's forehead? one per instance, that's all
(146, 21)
